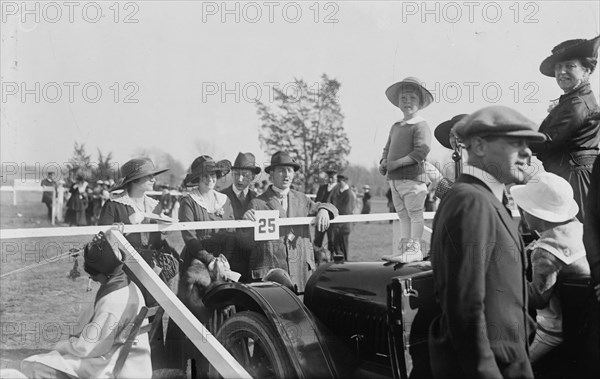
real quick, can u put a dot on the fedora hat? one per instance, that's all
(282, 158)
(409, 83)
(442, 131)
(136, 168)
(246, 161)
(330, 168)
(204, 165)
(499, 121)
(571, 49)
(546, 196)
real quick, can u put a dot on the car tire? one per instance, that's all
(255, 344)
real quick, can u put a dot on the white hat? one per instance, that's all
(546, 196)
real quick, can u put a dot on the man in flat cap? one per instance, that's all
(478, 256)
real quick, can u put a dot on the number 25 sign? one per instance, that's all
(267, 225)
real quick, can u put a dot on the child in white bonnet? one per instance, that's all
(549, 209)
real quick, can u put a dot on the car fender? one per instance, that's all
(309, 345)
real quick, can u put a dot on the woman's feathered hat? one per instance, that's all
(570, 49)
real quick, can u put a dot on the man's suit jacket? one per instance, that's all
(239, 261)
(479, 273)
(238, 208)
(293, 251)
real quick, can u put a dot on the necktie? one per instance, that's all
(505, 202)
(242, 197)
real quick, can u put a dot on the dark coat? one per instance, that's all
(344, 202)
(297, 256)
(591, 225)
(114, 212)
(323, 195)
(572, 129)
(479, 274)
(239, 261)
(238, 208)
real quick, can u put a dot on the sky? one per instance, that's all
(183, 76)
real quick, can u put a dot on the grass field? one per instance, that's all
(39, 306)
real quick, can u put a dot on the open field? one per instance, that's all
(38, 307)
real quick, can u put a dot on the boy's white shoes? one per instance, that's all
(409, 251)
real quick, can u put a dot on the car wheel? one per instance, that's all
(254, 343)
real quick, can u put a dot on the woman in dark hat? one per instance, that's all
(133, 206)
(572, 128)
(77, 203)
(202, 259)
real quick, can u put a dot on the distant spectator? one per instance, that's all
(366, 200)
(48, 196)
(343, 199)
(78, 202)
(324, 196)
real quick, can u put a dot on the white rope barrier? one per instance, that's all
(178, 226)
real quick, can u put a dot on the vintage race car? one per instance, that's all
(357, 319)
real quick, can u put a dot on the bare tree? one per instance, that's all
(307, 124)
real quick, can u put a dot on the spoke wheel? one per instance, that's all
(255, 345)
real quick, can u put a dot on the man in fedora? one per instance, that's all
(478, 257)
(244, 171)
(293, 251)
(324, 196)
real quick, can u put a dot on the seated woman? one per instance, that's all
(93, 350)
(549, 209)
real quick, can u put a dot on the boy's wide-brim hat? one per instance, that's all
(246, 161)
(282, 158)
(204, 165)
(135, 169)
(546, 196)
(442, 131)
(410, 83)
(497, 121)
(571, 49)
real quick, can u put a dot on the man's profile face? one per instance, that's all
(507, 158)
(282, 177)
(331, 178)
(242, 178)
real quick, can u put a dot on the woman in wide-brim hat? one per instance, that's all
(573, 125)
(203, 254)
(132, 207)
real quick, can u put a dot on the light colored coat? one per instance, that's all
(295, 256)
(99, 334)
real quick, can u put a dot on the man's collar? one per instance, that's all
(488, 179)
(280, 192)
(237, 191)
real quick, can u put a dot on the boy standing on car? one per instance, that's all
(478, 256)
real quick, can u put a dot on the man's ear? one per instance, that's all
(477, 146)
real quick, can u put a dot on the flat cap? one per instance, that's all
(498, 121)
